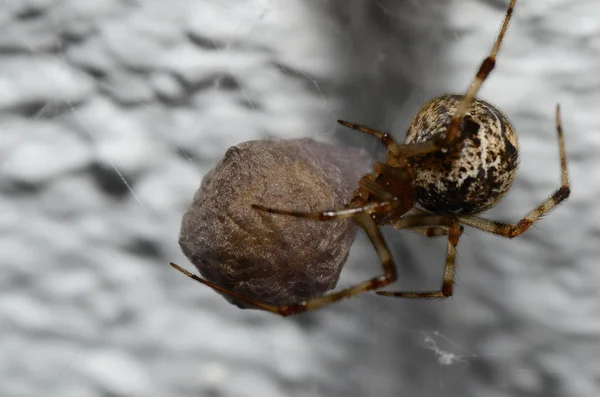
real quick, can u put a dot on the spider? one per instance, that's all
(459, 158)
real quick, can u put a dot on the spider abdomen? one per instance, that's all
(479, 173)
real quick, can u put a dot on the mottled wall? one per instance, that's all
(112, 111)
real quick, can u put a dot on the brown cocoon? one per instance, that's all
(273, 258)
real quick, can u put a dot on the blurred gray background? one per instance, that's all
(111, 111)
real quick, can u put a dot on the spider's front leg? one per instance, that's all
(390, 186)
(384, 137)
(397, 150)
(484, 71)
(450, 139)
(329, 215)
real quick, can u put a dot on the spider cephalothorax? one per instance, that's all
(460, 157)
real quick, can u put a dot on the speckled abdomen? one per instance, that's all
(475, 176)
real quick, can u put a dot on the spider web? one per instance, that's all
(113, 111)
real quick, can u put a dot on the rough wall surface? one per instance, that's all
(112, 111)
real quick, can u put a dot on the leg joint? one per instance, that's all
(447, 290)
(486, 67)
(561, 194)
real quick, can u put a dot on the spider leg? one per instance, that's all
(431, 231)
(389, 272)
(389, 276)
(399, 175)
(448, 284)
(420, 220)
(398, 150)
(386, 184)
(484, 70)
(253, 302)
(384, 137)
(449, 139)
(561, 194)
(375, 189)
(423, 222)
(385, 206)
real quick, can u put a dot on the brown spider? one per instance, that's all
(459, 159)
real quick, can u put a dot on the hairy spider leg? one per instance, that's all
(365, 221)
(429, 231)
(450, 138)
(373, 208)
(389, 276)
(448, 282)
(442, 221)
(226, 291)
(384, 137)
(561, 194)
(484, 71)
(396, 179)
(398, 150)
